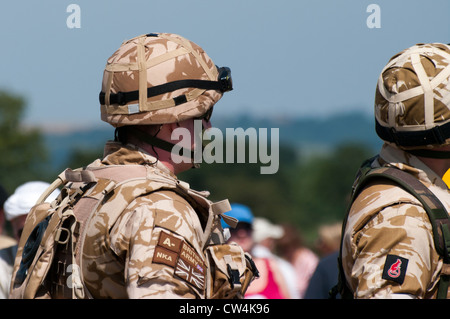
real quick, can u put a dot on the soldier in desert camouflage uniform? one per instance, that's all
(142, 233)
(388, 249)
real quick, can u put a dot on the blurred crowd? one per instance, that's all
(288, 268)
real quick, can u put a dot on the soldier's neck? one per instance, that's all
(439, 166)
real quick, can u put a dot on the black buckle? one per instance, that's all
(254, 270)
(234, 276)
(225, 81)
(180, 99)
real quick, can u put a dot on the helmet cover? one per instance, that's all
(151, 60)
(412, 100)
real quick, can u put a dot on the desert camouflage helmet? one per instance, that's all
(412, 101)
(160, 78)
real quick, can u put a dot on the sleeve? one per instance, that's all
(394, 255)
(159, 235)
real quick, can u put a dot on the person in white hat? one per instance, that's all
(22, 200)
(5, 239)
(16, 209)
(272, 283)
(264, 235)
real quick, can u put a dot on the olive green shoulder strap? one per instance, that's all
(436, 211)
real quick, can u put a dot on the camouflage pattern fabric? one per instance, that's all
(388, 249)
(144, 243)
(137, 232)
(138, 253)
(413, 89)
(150, 237)
(148, 61)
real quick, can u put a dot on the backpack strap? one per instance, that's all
(436, 212)
(61, 180)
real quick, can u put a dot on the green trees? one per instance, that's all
(307, 191)
(266, 194)
(322, 185)
(22, 150)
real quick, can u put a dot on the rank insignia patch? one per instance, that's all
(178, 254)
(395, 268)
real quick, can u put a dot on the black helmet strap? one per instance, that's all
(434, 136)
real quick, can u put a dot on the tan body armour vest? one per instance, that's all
(53, 246)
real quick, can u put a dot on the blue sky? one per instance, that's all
(288, 58)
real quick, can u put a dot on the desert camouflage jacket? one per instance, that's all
(126, 227)
(155, 248)
(388, 249)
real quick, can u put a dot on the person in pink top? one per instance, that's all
(304, 260)
(271, 284)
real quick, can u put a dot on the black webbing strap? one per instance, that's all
(157, 142)
(435, 135)
(123, 98)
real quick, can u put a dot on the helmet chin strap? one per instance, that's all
(431, 153)
(160, 143)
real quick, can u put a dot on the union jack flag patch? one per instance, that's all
(190, 274)
(178, 254)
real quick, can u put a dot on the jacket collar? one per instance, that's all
(390, 155)
(116, 153)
